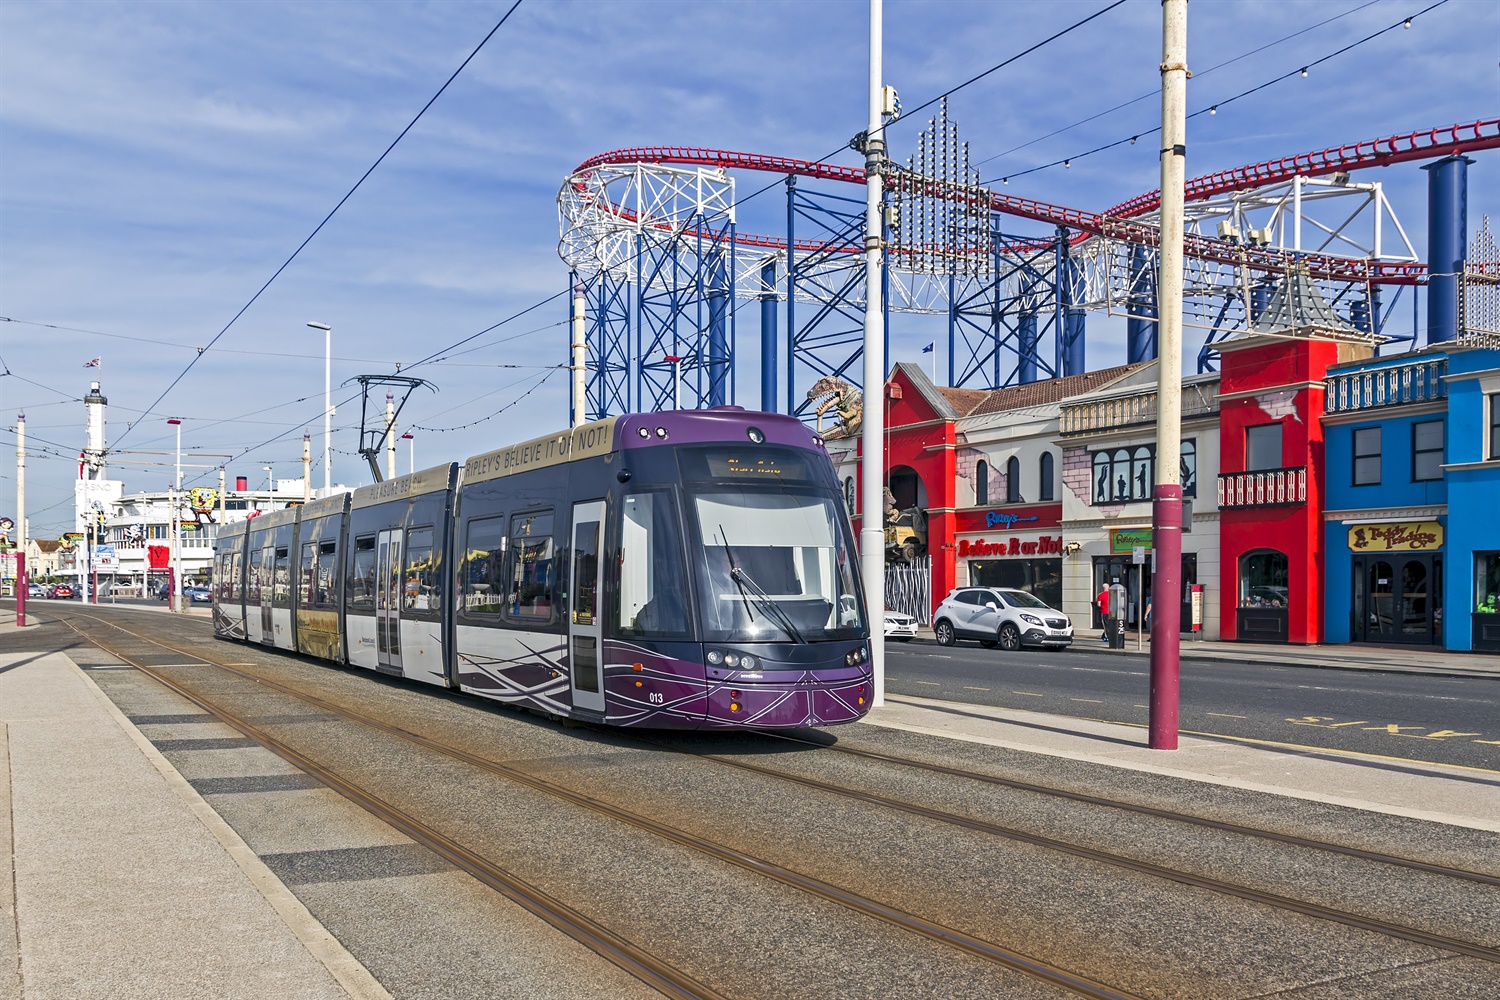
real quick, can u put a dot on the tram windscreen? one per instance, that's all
(776, 566)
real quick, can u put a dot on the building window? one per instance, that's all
(1263, 579)
(1495, 425)
(1367, 456)
(982, 483)
(849, 494)
(1427, 450)
(1487, 583)
(1044, 483)
(1142, 472)
(1013, 480)
(1187, 468)
(1263, 447)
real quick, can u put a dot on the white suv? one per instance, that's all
(995, 616)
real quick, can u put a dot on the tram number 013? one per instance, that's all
(655, 697)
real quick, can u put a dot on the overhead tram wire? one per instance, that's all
(350, 193)
(1213, 108)
(1197, 75)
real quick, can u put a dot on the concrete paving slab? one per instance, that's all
(280, 819)
(122, 888)
(1459, 796)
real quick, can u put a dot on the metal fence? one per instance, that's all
(908, 588)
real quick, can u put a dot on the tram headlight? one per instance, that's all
(747, 663)
(715, 657)
(855, 657)
(661, 432)
(731, 659)
(756, 435)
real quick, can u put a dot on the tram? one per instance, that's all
(679, 570)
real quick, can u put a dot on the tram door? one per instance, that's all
(388, 599)
(585, 616)
(267, 574)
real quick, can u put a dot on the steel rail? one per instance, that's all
(1481, 878)
(818, 888)
(591, 934)
(1317, 910)
(1120, 222)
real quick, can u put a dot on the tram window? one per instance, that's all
(362, 575)
(422, 590)
(652, 595)
(529, 568)
(234, 576)
(308, 570)
(281, 587)
(480, 576)
(328, 553)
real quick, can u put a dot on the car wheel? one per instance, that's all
(944, 632)
(1010, 639)
(987, 643)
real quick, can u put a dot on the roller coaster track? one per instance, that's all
(1124, 222)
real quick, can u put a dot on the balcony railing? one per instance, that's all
(1419, 382)
(1266, 488)
(1124, 411)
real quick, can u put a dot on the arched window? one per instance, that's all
(1044, 484)
(1141, 474)
(982, 483)
(1103, 487)
(1188, 468)
(1013, 480)
(1120, 474)
(1263, 579)
(849, 494)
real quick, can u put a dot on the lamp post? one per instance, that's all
(412, 453)
(175, 577)
(270, 483)
(327, 403)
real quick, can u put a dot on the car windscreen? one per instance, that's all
(1021, 599)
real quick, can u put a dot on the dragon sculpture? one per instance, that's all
(832, 392)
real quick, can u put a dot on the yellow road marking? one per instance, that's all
(1226, 715)
(968, 688)
(1143, 706)
(1029, 694)
(930, 683)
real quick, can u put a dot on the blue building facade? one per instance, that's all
(1411, 531)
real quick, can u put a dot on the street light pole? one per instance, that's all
(175, 580)
(327, 404)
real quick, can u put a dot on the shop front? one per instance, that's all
(1397, 583)
(1129, 563)
(1015, 547)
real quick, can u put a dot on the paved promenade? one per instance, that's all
(122, 882)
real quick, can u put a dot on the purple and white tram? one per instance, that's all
(686, 569)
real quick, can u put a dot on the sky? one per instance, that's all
(160, 161)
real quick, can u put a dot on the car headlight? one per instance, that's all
(1033, 619)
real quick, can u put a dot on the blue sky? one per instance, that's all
(158, 161)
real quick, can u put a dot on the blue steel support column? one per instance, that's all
(791, 293)
(1140, 327)
(1026, 362)
(1447, 244)
(768, 337)
(1073, 330)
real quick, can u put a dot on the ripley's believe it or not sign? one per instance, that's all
(1403, 536)
(1046, 545)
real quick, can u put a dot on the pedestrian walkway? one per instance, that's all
(121, 880)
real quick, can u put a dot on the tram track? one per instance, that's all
(601, 940)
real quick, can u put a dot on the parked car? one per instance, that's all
(61, 590)
(198, 595)
(999, 616)
(35, 590)
(902, 628)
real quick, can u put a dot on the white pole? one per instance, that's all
(580, 356)
(306, 467)
(872, 469)
(328, 410)
(390, 434)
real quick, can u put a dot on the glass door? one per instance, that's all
(388, 599)
(585, 624)
(265, 575)
(1380, 601)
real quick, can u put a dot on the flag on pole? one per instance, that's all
(929, 347)
(93, 364)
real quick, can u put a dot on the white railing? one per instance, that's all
(1419, 382)
(1266, 488)
(1123, 411)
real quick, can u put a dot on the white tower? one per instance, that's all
(93, 452)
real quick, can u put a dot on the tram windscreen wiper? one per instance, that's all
(767, 603)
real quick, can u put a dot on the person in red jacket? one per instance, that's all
(1101, 601)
